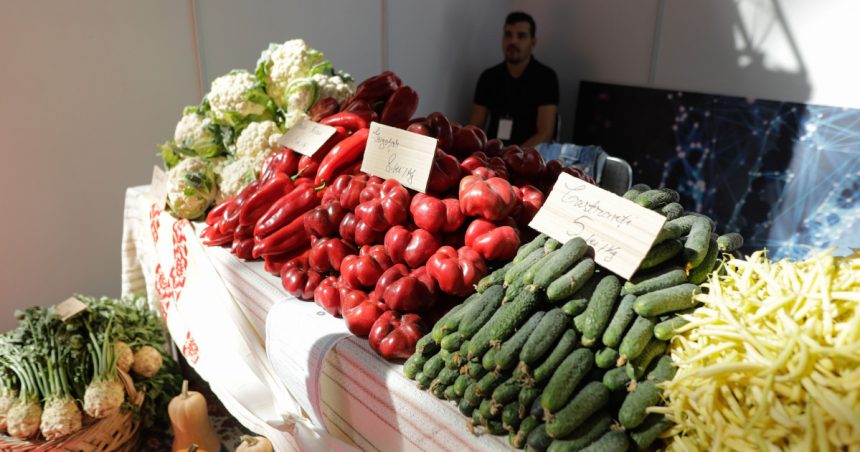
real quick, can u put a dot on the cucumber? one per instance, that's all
(636, 367)
(509, 317)
(438, 389)
(616, 379)
(477, 419)
(559, 262)
(565, 379)
(590, 431)
(448, 376)
(672, 210)
(632, 412)
(488, 361)
(526, 426)
(471, 396)
(568, 283)
(536, 409)
(655, 199)
(730, 242)
(606, 358)
(465, 407)
(508, 353)
(450, 394)
(478, 312)
(528, 248)
(700, 273)
(696, 245)
(665, 330)
(461, 383)
(423, 381)
(671, 299)
(631, 194)
(611, 441)
(486, 412)
(513, 290)
(511, 417)
(551, 245)
(456, 361)
(506, 392)
(620, 321)
(495, 278)
(453, 341)
(426, 346)
(684, 223)
(565, 346)
(640, 187)
(413, 365)
(587, 290)
(589, 400)
(526, 397)
(475, 370)
(529, 275)
(648, 432)
(655, 280)
(664, 370)
(539, 439)
(450, 321)
(575, 307)
(433, 366)
(636, 339)
(600, 308)
(485, 386)
(545, 335)
(660, 253)
(516, 271)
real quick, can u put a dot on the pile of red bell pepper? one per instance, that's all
(381, 256)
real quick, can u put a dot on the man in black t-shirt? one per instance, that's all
(520, 95)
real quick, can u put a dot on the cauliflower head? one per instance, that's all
(198, 133)
(280, 64)
(237, 175)
(191, 188)
(237, 98)
(259, 139)
(338, 86)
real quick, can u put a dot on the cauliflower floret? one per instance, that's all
(283, 63)
(301, 94)
(334, 86)
(293, 117)
(190, 188)
(237, 175)
(235, 96)
(258, 139)
(193, 128)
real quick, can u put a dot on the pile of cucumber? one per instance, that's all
(560, 354)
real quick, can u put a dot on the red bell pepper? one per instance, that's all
(412, 248)
(532, 200)
(348, 120)
(284, 240)
(342, 155)
(275, 263)
(324, 220)
(434, 214)
(491, 241)
(468, 139)
(553, 169)
(351, 196)
(242, 249)
(419, 127)
(474, 161)
(346, 229)
(363, 270)
(457, 271)
(327, 295)
(298, 280)
(230, 219)
(285, 161)
(323, 108)
(390, 208)
(365, 235)
(217, 213)
(577, 172)
(400, 106)
(494, 147)
(493, 198)
(440, 128)
(444, 174)
(394, 336)
(258, 203)
(527, 163)
(286, 209)
(378, 87)
(361, 317)
(406, 291)
(327, 254)
(362, 108)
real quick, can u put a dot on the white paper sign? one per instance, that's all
(306, 137)
(620, 231)
(70, 308)
(158, 187)
(394, 153)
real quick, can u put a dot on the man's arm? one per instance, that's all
(478, 116)
(546, 116)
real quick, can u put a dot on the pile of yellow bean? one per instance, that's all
(771, 360)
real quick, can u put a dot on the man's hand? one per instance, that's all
(546, 119)
(478, 116)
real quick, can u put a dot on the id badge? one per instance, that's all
(505, 127)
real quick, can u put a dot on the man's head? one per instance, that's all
(519, 38)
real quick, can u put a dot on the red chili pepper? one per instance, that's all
(406, 291)
(231, 214)
(468, 139)
(412, 248)
(493, 199)
(457, 271)
(308, 166)
(363, 270)
(258, 203)
(348, 120)
(434, 214)
(440, 128)
(327, 254)
(324, 220)
(378, 87)
(284, 240)
(494, 147)
(213, 237)
(491, 241)
(445, 173)
(327, 295)
(286, 209)
(351, 196)
(323, 108)
(284, 161)
(361, 317)
(527, 163)
(389, 209)
(298, 280)
(217, 213)
(400, 106)
(394, 336)
(242, 249)
(341, 156)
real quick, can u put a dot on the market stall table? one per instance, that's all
(283, 367)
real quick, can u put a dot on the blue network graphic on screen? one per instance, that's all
(785, 175)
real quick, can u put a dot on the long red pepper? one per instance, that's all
(284, 240)
(286, 209)
(258, 203)
(350, 121)
(341, 156)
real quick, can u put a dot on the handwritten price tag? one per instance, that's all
(70, 308)
(392, 153)
(306, 137)
(158, 187)
(620, 231)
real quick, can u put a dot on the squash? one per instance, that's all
(189, 417)
(255, 444)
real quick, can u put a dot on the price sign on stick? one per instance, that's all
(620, 231)
(306, 137)
(70, 308)
(158, 187)
(394, 153)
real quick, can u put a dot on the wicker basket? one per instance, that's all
(120, 432)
